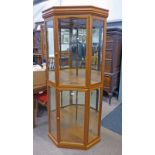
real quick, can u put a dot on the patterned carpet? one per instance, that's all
(113, 121)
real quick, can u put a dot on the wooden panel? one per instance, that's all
(88, 50)
(109, 38)
(107, 81)
(115, 81)
(111, 82)
(75, 10)
(117, 55)
(113, 59)
(108, 55)
(109, 45)
(56, 50)
(108, 64)
(39, 78)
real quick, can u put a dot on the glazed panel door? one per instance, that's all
(72, 50)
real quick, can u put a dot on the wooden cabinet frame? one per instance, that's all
(79, 12)
(41, 53)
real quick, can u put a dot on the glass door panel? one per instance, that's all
(72, 116)
(52, 102)
(72, 51)
(94, 114)
(97, 46)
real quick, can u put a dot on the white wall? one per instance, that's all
(114, 7)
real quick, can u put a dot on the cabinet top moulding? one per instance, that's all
(75, 10)
(114, 31)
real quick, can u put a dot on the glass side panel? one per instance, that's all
(97, 43)
(72, 116)
(72, 49)
(52, 102)
(94, 114)
(50, 49)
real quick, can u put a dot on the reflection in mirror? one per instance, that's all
(72, 48)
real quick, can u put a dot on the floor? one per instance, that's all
(110, 144)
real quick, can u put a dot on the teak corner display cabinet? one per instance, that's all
(75, 44)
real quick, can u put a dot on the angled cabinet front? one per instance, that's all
(75, 39)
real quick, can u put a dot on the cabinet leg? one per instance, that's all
(117, 93)
(110, 96)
